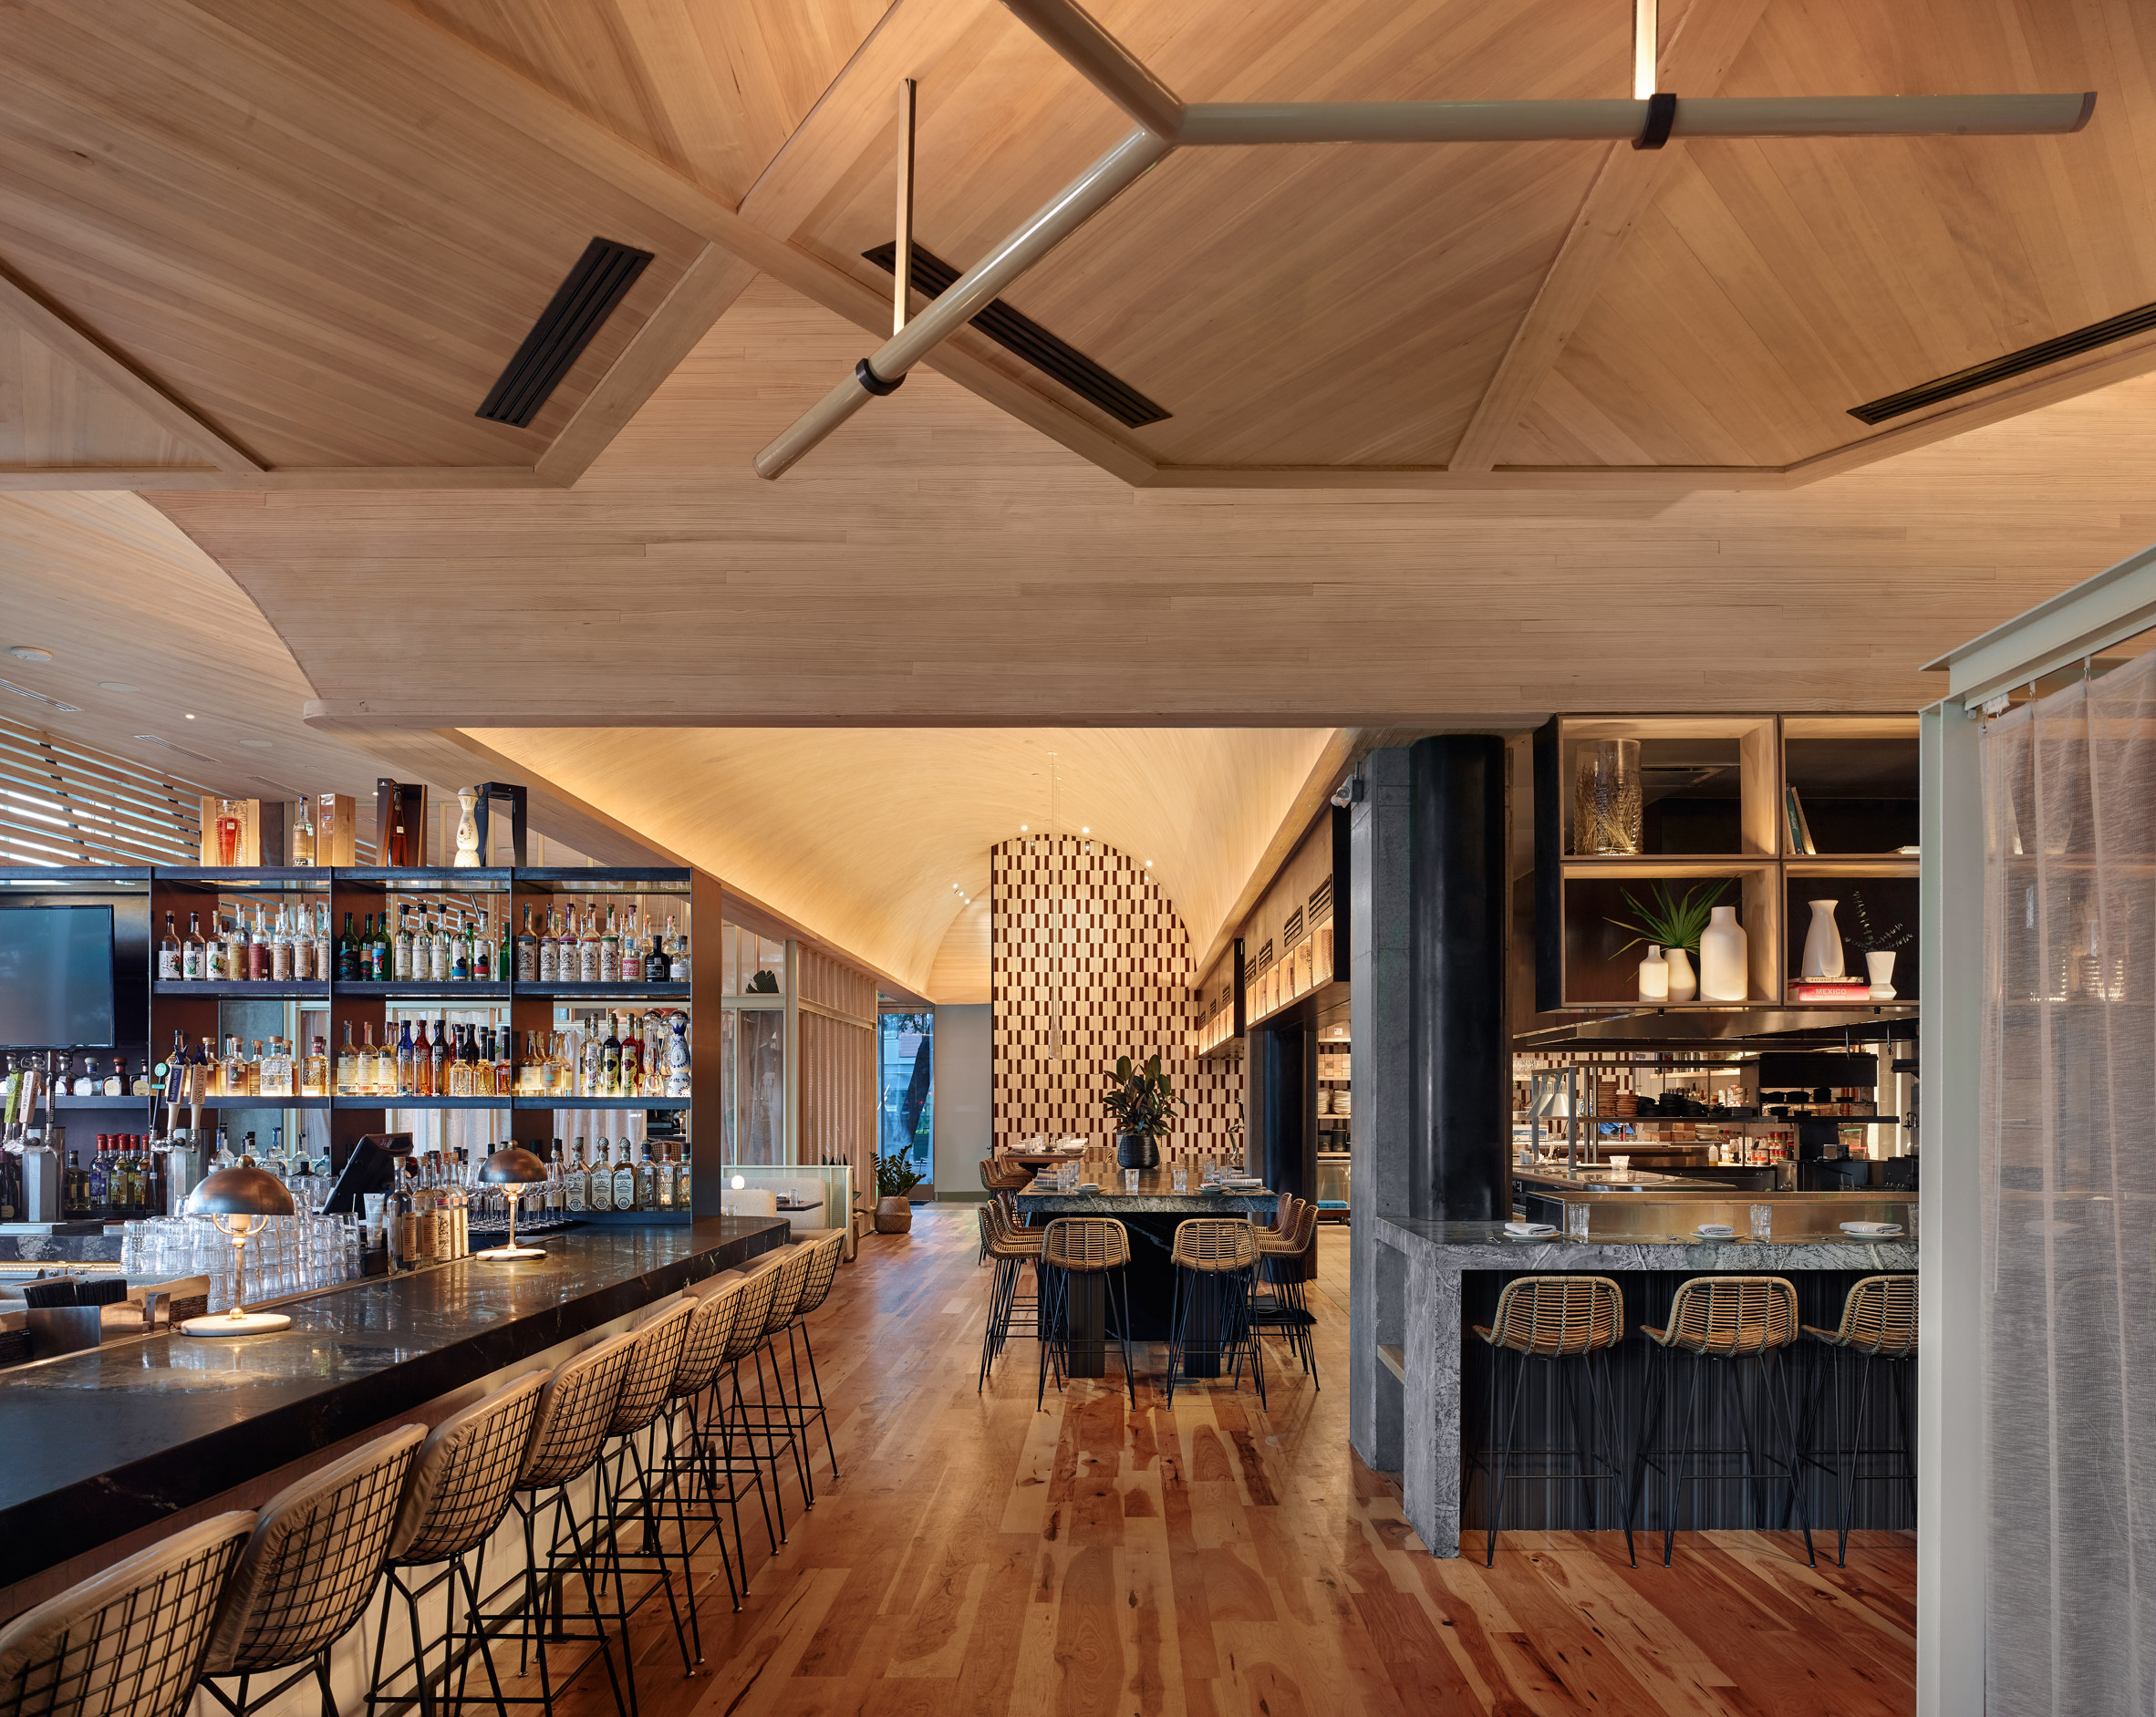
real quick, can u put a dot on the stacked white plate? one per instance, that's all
(1529, 1230)
(1872, 1230)
(1714, 1231)
(1087, 1186)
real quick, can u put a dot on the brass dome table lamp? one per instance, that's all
(514, 1168)
(239, 1201)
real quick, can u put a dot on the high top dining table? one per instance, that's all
(1151, 1214)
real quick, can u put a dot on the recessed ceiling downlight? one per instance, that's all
(29, 653)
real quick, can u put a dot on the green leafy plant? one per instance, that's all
(896, 1176)
(762, 983)
(1668, 919)
(1863, 939)
(1139, 1099)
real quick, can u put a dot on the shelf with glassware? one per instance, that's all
(1702, 838)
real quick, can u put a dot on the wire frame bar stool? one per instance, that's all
(1570, 1325)
(1280, 1254)
(1878, 1327)
(458, 1494)
(767, 1423)
(128, 1641)
(718, 1429)
(1728, 1326)
(688, 1401)
(807, 1401)
(1083, 1247)
(1214, 1259)
(308, 1573)
(1010, 1250)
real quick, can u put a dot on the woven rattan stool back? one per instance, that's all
(466, 1472)
(1729, 1315)
(573, 1410)
(751, 1313)
(1290, 1239)
(705, 1345)
(822, 1271)
(312, 1562)
(1879, 1318)
(655, 1352)
(1085, 1243)
(1213, 1245)
(1556, 1316)
(127, 1642)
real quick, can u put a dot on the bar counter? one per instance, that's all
(108, 1443)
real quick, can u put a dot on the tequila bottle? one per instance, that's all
(324, 954)
(167, 952)
(677, 1083)
(662, 1181)
(232, 1071)
(236, 949)
(280, 950)
(527, 952)
(276, 1070)
(610, 951)
(677, 957)
(405, 1084)
(192, 964)
(213, 952)
(259, 952)
(548, 952)
(625, 1178)
(438, 951)
(646, 1179)
(610, 1062)
(313, 1077)
(632, 1057)
(601, 1191)
(401, 957)
(459, 955)
(588, 948)
(573, 1188)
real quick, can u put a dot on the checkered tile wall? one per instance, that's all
(1089, 961)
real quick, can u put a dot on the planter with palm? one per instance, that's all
(895, 1177)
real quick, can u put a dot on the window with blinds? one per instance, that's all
(63, 802)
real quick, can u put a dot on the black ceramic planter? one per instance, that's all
(1136, 1150)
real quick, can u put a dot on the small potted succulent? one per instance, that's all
(1139, 1102)
(895, 1177)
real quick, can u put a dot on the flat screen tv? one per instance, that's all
(55, 977)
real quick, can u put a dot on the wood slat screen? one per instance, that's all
(838, 1072)
(63, 802)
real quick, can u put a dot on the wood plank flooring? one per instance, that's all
(977, 1557)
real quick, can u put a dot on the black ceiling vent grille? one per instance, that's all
(1030, 341)
(586, 298)
(1997, 369)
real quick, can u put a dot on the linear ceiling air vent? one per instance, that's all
(586, 299)
(1997, 369)
(1030, 341)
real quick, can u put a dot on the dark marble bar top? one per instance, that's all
(1155, 1196)
(100, 1443)
(1485, 1245)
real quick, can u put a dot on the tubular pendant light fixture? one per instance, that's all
(1163, 123)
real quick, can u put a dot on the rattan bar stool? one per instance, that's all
(807, 1404)
(130, 1641)
(1280, 1254)
(1727, 1325)
(1214, 1259)
(308, 1573)
(458, 1494)
(1082, 1246)
(1572, 1324)
(1878, 1327)
(575, 1408)
(631, 1481)
(1010, 1250)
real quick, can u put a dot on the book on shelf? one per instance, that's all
(1829, 989)
(1800, 825)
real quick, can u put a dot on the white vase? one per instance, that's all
(1822, 942)
(1880, 968)
(1724, 963)
(1683, 985)
(467, 833)
(1653, 976)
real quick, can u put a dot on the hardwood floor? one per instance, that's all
(977, 1557)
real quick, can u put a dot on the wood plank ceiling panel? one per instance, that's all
(1777, 283)
(53, 413)
(938, 564)
(307, 238)
(714, 90)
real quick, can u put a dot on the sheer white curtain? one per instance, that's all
(2069, 1137)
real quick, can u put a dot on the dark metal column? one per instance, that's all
(1461, 1120)
(1283, 1068)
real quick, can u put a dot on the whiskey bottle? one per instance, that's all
(655, 963)
(167, 952)
(625, 1178)
(280, 947)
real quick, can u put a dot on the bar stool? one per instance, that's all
(816, 1288)
(1878, 1327)
(575, 1408)
(1214, 1259)
(127, 1642)
(1082, 1246)
(1010, 1250)
(458, 1494)
(1571, 1323)
(723, 1423)
(769, 1421)
(1724, 1321)
(1280, 1254)
(308, 1573)
(717, 1300)
(625, 1494)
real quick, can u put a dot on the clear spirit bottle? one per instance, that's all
(547, 953)
(258, 951)
(647, 1178)
(527, 951)
(678, 957)
(573, 1188)
(167, 952)
(191, 964)
(601, 1177)
(232, 1071)
(609, 952)
(625, 1178)
(588, 948)
(276, 1070)
(401, 955)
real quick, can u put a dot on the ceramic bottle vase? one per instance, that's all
(1653, 976)
(1822, 942)
(467, 856)
(1683, 985)
(1725, 966)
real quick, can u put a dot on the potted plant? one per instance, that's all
(1139, 1102)
(895, 1177)
(1673, 922)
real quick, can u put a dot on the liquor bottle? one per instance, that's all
(483, 954)
(588, 948)
(601, 1191)
(504, 1074)
(280, 947)
(232, 1070)
(324, 954)
(573, 1188)
(100, 1175)
(440, 1051)
(423, 1061)
(348, 1066)
(167, 952)
(301, 946)
(401, 955)
(647, 1178)
(191, 956)
(543, 953)
(676, 1077)
(400, 1223)
(654, 962)
(276, 1070)
(236, 949)
(347, 953)
(459, 956)
(610, 1062)
(632, 1057)
(678, 957)
(258, 953)
(625, 1178)
(404, 1087)
(379, 960)
(142, 1087)
(504, 952)
(609, 952)
(314, 1079)
(374, 1079)
(213, 951)
(662, 1180)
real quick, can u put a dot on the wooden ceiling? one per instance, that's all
(880, 840)
(289, 244)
